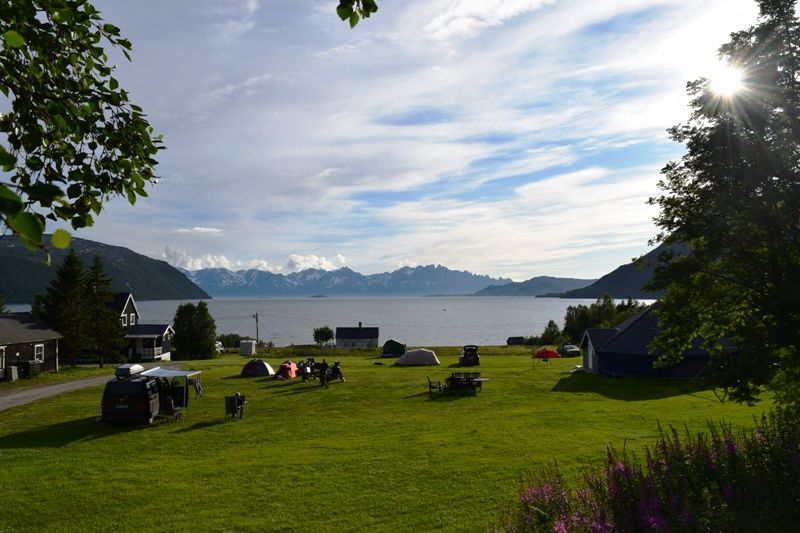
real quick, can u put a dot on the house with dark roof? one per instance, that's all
(625, 350)
(359, 337)
(125, 305)
(25, 339)
(149, 342)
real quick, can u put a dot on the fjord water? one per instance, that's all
(428, 321)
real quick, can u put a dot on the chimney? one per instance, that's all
(359, 325)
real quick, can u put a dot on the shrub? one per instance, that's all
(714, 481)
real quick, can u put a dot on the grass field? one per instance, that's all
(376, 453)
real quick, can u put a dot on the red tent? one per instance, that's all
(287, 370)
(545, 354)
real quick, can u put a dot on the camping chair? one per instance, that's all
(433, 385)
(232, 410)
(173, 411)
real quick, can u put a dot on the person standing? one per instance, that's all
(323, 374)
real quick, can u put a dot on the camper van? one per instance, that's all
(130, 397)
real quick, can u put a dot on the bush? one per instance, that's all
(230, 340)
(713, 481)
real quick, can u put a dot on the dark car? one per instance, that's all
(469, 356)
(569, 350)
(133, 400)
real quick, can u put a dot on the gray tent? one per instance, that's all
(257, 367)
(419, 357)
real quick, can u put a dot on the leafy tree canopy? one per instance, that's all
(323, 334)
(69, 136)
(734, 197)
(195, 332)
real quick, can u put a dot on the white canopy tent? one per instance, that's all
(419, 357)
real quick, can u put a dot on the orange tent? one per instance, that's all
(545, 354)
(287, 370)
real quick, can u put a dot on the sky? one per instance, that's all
(513, 138)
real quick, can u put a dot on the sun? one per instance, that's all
(726, 80)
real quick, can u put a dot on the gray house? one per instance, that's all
(149, 342)
(625, 350)
(25, 339)
(359, 337)
(125, 305)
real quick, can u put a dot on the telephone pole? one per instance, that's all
(256, 317)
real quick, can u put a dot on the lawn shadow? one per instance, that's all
(201, 425)
(59, 435)
(628, 389)
(237, 376)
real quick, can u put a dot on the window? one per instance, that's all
(2, 357)
(132, 320)
(124, 320)
(38, 352)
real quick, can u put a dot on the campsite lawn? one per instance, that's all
(376, 453)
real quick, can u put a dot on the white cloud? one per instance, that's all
(465, 18)
(298, 262)
(200, 230)
(181, 259)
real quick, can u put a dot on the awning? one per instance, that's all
(159, 372)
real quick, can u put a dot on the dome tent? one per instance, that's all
(257, 367)
(419, 357)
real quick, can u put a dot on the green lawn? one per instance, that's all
(376, 453)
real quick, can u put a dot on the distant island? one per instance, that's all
(317, 296)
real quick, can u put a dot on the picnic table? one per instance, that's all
(460, 382)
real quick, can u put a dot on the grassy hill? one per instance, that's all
(376, 453)
(24, 274)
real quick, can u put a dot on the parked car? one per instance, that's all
(569, 350)
(469, 356)
(130, 397)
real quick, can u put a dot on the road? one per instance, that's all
(14, 397)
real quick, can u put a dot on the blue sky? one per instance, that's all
(506, 137)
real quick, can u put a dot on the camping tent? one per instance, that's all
(544, 353)
(257, 367)
(287, 370)
(418, 357)
(392, 348)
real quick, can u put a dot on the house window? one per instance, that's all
(132, 321)
(2, 357)
(38, 352)
(124, 320)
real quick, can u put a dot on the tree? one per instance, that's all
(62, 306)
(734, 197)
(195, 332)
(103, 331)
(70, 139)
(323, 334)
(550, 334)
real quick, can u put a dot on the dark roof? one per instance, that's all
(515, 340)
(357, 333)
(18, 328)
(634, 336)
(119, 301)
(148, 330)
(598, 336)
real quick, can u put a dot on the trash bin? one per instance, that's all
(24, 369)
(35, 368)
(12, 373)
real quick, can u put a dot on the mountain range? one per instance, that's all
(406, 281)
(626, 281)
(537, 286)
(23, 273)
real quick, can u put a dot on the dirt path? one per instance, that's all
(15, 397)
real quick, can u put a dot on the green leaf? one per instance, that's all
(13, 39)
(60, 239)
(9, 201)
(110, 29)
(353, 20)
(6, 159)
(344, 12)
(113, 84)
(29, 229)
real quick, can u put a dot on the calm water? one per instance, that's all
(445, 321)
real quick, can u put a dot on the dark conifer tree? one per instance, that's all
(104, 333)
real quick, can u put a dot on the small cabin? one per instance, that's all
(359, 337)
(25, 340)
